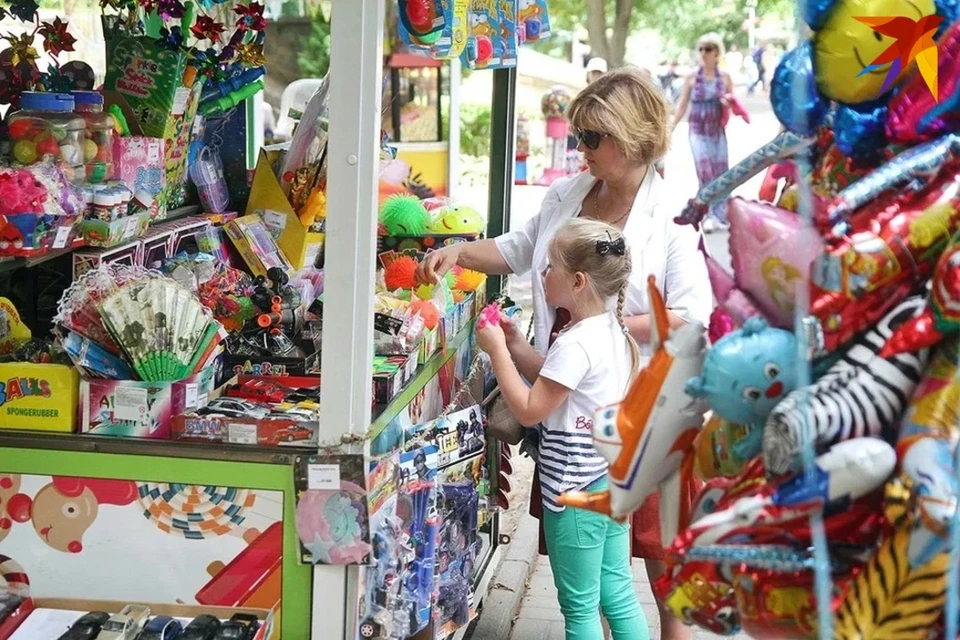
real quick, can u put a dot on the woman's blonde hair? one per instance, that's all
(714, 39)
(628, 106)
(592, 247)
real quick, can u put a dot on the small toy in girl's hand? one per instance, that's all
(489, 316)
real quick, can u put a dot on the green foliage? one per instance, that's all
(314, 58)
(475, 129)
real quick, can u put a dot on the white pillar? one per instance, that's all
(356, 59)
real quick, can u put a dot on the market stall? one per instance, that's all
(174, 296)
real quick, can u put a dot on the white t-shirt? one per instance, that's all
(592, 359)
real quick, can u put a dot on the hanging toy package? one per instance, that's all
(207, 174)
(483, 50)
(436, 27)
(533, 20)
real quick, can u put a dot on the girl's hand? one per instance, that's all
(511, 332)
(491, 337)
(437, 263)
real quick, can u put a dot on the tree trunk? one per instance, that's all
(621, 29)
(597, 29)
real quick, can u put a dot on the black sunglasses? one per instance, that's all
(707, 49)
(590, 139)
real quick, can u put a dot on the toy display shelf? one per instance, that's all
(255, 468)
(384, 413)
(8, 263)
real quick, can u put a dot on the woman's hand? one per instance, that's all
(490, 338)
(437, 263)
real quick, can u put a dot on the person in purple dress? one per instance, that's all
(705, 93)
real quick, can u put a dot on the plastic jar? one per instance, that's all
(98, 135)
(46, 125)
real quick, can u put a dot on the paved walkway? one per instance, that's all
(540, 617)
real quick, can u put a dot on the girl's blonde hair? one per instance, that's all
(591, 247)
(626, 104)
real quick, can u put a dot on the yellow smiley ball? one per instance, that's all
(90, 150)
(845, 46)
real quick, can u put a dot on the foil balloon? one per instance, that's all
(715, 449)
(734, 302)
(771, 251)
(775, 603)
(698, 594)
(796, 102)
(745, 374)
(645, 437)
(860, 395)
(720, 324)
(890, 252)
(913, 169)
(942, 315)
(916, 115)
(785, 145)
(861, 129)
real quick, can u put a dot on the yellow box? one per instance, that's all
(255, 244)
(38, 397)
(267, 200)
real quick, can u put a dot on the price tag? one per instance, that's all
(190, 397)
(242, 433)
(202, 401)
(180, 98)
(130, 227)
(323, 477)
(153, 153)
(129, 403)
(61, 240)
(274, 221)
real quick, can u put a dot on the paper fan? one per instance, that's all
(161, 327)
(77, 310)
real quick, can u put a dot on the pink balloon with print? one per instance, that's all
(771, 250)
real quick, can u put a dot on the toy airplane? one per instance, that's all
(647, 436)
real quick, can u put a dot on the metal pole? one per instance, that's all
(356, 59)
(502, 124)
(453, 130)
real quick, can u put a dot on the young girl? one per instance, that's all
(588, 366)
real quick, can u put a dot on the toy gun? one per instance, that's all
(230, 100)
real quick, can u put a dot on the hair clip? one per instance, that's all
(618, 247)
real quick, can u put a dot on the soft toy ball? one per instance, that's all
(404, 215)
(427, 311)
(469, 280)
(399, 274)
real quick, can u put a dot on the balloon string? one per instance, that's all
(799, 90)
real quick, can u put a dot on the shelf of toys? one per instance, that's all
(166, 442)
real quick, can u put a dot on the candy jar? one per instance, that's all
(97, 136)
(46, 125)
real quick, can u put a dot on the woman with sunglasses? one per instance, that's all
(705, 94)
(620, 121)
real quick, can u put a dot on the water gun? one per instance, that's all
(230, 100)
(232, 84)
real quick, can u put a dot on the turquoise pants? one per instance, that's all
(590, 557)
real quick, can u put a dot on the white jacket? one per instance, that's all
(658, 245)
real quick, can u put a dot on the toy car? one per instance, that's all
(126, 624)
(234, 408)
(161, 628)
(293, 433)
(86, 626)
(241, 626)
(201, 628)
(259, 390)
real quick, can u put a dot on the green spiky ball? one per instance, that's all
(404, 215)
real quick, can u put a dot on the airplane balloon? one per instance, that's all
(645, 437)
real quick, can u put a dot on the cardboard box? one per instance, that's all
(301, 247)
(138, 163)
(38, 397)
(34, 612)
(102, 233)
(137, 409)
(273, 367)
(264, 432)
(86, 259)
(256, 245)
(421, 244)
(391, 374)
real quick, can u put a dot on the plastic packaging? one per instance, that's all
(207, 174)
(46, 125)
(98, 135)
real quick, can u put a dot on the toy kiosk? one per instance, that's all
(117, 491)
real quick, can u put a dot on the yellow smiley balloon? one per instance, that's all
(844, 47)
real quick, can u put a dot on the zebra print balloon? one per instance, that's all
(862, 394)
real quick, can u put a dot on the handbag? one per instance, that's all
(734, 107)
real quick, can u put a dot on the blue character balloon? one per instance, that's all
(745, 374)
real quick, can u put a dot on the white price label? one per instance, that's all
(130, 227)
(202, 400)
(61, 240)
(323, 477)
(180, 101)
(130, 403)
(242, 433)
(153, 153)
(190, 397)
(275, 221)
